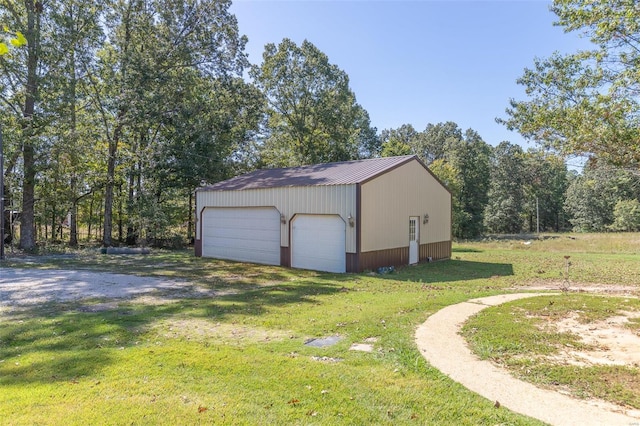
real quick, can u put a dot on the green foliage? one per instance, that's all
(241, 354)
(313, 114)
(506, 190)
(451, 177)
(592, 196)
(461, 160)
(587, 102)
(520, 336)
(626, 216)
(433, 140)
(545, 184)
(395, 147)
(16, 39)
(471, 157)
(400, 141)
(207, 136)
(131, 96)
(429, 145)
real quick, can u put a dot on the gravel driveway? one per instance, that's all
(25, 287)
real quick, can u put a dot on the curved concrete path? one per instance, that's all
(440, 343)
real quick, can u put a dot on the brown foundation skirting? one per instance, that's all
(352, 262)
(372, 260)
(197, 245)
(435, 251)
(285, 258)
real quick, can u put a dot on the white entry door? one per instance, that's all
(414, 239)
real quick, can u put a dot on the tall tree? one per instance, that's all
(429, 145)
(587, 102)
(313, 114)
(471, 157)
(432, 141)
(208, 133)
(78, 36)
(400, 141)
(21, 75)
(451, 177)
(503, 213)
(16, 40)
(546, 181)
(592, 196)
(152, 46)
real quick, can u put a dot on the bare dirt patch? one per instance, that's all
(571, 287)
(214, 332)
(614, 342)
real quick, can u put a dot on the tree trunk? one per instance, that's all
(8, 198)
(73, 184)
(73, 223)
(27, 222)
(108, 192)
(190, 236)
(120, 212)
(131, 230)
(117, 134)
(54, 224)
(90, 218)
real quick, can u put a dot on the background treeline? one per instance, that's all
(116, 111)
(504, 189)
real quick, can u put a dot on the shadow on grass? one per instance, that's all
(450, 270)
(179, 264)
(63, 343)
(465, 250)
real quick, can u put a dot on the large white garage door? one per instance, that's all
(318, 243)
(248, 234)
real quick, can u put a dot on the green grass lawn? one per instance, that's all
(240, 358)
(521, 336)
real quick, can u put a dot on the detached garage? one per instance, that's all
(338, 217)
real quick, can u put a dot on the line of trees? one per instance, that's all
(115, 111)
(506, 190)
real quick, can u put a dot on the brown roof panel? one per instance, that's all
(341, 173)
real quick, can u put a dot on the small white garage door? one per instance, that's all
(247, 234)
(318, 243)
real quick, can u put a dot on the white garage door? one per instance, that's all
(318, 243)
(248, 234)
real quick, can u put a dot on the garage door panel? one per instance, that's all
(318, 242)
(244, 244)
(248, 234)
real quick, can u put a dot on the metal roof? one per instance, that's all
(340, 173)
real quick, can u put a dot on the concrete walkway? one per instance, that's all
(440, 343)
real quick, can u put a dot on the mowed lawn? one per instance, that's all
(240, 357)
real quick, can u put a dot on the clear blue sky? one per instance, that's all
(419, 62)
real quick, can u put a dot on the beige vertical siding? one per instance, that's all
(329, 199)
(390, 199)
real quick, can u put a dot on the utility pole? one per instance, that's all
(537, 217)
